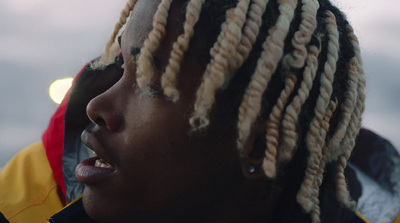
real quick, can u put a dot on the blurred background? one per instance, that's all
(42, 41)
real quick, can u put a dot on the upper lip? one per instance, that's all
(90, 138)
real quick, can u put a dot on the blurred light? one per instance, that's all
(59, 88)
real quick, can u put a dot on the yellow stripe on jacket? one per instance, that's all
(28, 190)
(397, 220)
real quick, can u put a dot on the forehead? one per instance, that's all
(141, 22)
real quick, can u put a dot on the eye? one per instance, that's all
(155, 88)
(154, 91)
(155, 85)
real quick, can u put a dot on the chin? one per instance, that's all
(99, 209)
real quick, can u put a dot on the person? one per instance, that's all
(226, 111)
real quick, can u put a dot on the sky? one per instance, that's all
(42, 41)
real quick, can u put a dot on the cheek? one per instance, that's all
(167, 166)
(155, 132)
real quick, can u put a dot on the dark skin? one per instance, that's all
(163, 173)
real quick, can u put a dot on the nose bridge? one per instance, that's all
(105, 110)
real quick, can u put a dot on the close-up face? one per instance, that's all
(227, 111)
(157, 167)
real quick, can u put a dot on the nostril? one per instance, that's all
(100, 121)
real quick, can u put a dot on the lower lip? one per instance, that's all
(87, 173)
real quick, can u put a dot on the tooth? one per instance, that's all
(103, 164)
(94, 153)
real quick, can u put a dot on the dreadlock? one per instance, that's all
(179, 48)
(112, 48)
(295, 64)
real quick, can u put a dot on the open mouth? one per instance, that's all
(103, 164)
(100, 162)
(94, 170)
(98, 168)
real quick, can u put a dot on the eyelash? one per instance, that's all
(152, 93)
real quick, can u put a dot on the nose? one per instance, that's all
(103, 111)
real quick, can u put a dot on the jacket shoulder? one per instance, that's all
(28, 190)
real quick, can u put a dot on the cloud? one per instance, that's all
(16, 136)
(377, 24)
(41, 41)
(386, 125)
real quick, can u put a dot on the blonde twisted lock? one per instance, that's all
(217, 71)
(145, 61)
(266, 66)
(168, 79)
(112, 48)
(315, 138)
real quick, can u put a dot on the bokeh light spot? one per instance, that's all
(59, 88)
